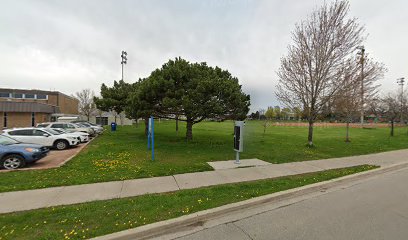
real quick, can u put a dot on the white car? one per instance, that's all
(96, 128)
(83, 137)
(45, 137)
(69, 127)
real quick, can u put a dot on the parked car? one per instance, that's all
(84, 121)
(96, 128)
(67, 119)
(69, 127)
(82, 137)
(45, 137)
(14, 154)
(79, 125)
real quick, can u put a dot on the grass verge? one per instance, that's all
(92, 219)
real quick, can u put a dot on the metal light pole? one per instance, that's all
(401, 82)
(362, 60)
(124, 60)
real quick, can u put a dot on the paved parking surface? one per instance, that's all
(54, 159)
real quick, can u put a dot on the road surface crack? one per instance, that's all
(246, 234)
(175, 180)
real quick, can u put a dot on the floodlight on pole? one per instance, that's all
(401, 82)
(124, 60)
(361, 53)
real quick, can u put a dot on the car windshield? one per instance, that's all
(43, 125)
(80, 125)
(7, 141)
(58, 130)
(52, 131)
(86, 124)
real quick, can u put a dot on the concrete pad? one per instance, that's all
(218, 165)
(199, 179)
(87, 193)
(27, 200)
(148, 185)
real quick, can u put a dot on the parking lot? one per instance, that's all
(54, 159)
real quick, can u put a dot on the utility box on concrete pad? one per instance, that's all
(239, 136)
(238, 139)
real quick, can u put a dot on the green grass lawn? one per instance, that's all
(88, 220)
(123, 154)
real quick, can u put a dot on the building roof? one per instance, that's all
(11, 106)
(34, 91)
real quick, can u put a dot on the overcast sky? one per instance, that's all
(75, 44)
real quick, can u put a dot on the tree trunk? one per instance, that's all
(347, 131)
(177, 122)
(146, 120)
(189, 133)
(392, 128)
(310, 135)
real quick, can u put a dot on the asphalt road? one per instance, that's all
(373, 209)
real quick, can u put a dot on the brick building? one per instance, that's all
(25, 108)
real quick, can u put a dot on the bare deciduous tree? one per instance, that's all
(348, 101)
(391, 109)
(310, 75)
(86, 103)
(373, 71)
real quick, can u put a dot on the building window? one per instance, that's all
(32, 119)
(17, 95)
(4, 95)
(102, 121)
(41, 96)
(5, 120)
(29, 96)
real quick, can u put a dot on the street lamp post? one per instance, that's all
(124, 60)
(362, 60)
(401, 82)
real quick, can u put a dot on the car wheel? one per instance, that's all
(13, 162)
(61, 144)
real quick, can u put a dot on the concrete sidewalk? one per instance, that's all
(40, 198)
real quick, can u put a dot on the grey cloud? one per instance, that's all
(71, 45)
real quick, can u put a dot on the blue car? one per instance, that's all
(14, 154)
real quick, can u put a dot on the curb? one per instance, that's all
(79, 150)
(199, 218)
